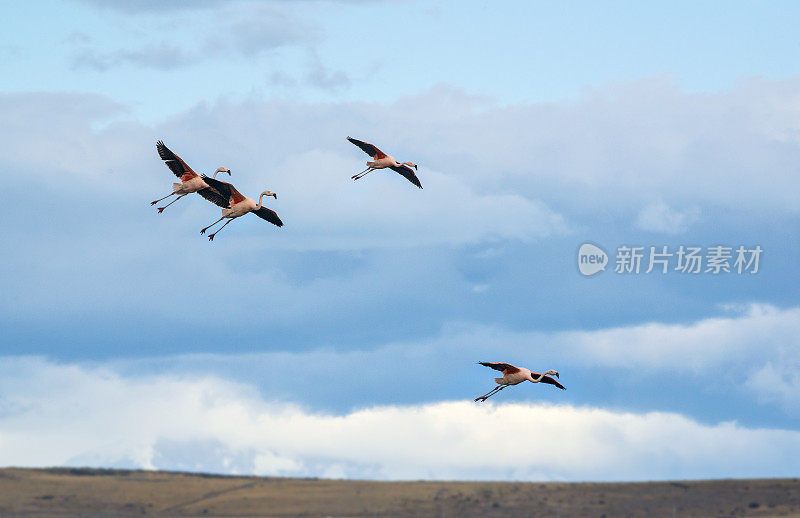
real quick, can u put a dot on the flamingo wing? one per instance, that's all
(269, 215)
(505, 368)
(236, 196)
(178, 167)
(408, 173)
(549, 381)
(232, 196)
(368, 148)
(218, 193)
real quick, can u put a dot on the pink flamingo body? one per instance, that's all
(515, 375)
(381, 160)
(239, 205)
(190, 181)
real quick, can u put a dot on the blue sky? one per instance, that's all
(536, 127)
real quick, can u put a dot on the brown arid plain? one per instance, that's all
(95, 492)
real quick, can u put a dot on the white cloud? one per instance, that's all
(321, 206)
(751, 335)
(487, 170)
(758, 332)
(158, 6)
(778, 381)
(596, 153)
(158, 57)
(610, 149)
(47, 135)
(750, 356)
(755, 349)
(384, 209)
(70, 414)
(245, 30)
(322, 77)
(660, 217)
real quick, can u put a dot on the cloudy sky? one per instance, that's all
(344, 344)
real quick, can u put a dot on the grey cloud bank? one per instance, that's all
(94, 170)
(228, 33)
(509, 193)
(615, 148)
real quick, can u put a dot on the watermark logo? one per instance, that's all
(682, 260)
(591, 259)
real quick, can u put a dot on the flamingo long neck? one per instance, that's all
(215, 174)
(537, 380)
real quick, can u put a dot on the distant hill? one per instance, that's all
(97, 492)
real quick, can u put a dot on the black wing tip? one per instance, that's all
(552, 381)
(164, 152)
(415, 180)
(215, 197)
(269, 215)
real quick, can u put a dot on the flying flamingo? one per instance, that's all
(241, 205)
(381, 161)
(516, 375)
(190, 181)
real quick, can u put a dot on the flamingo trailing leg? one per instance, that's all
(211, 236)
(491, 393)
(161, 209)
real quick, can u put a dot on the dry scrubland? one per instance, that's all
(91, 492)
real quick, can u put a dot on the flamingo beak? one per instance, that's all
(229, 172)
(275, 195)
(557, 376)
